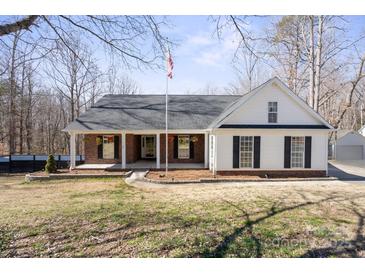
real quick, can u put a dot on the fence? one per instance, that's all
(31, 163)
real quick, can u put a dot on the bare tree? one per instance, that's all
(12, 94)
(123, 35)
(73, 73)
(123, 84)
(352, 88)
(247, 65)
(312, 54)
(285, 48)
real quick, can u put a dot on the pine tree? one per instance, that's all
(51, 166)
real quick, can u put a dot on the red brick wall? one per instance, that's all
(91, 151)
(198, 149)
(133, 149)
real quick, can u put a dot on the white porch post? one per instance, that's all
(158, 150)
(214, 152)
(124, 153)
(206, 150)
(72, 150)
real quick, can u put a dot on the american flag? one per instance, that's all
(170, 65)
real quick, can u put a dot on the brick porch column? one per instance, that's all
(72, 150)
(158, 150)
(123, 146)
(206, 150)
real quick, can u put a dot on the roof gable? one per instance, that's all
(350, 138)
(253, 108)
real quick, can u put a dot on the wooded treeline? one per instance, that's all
(49, 73)
(318, 57)
(50, 69)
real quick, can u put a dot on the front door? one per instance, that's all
(148, 146)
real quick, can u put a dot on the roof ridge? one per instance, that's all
(143, 94)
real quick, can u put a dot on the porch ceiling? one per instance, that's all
(141, 165)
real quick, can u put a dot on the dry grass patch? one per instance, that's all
(81, 171)
(107, 218)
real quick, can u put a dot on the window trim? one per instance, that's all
(178, 147)
(252, 152)
(291, 151)
(272, 112)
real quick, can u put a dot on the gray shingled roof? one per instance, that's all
(138, 112)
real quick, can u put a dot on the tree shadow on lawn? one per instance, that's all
(66, 238)
(350, 248)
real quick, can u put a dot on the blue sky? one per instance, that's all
(202, 60)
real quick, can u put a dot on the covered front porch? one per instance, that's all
(141, 165)
(142, 150)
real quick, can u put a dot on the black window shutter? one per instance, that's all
(116, 147)
(236, 151)
(256, 149)
(308, 152)
(176, 147)
(100, 147)
(287, 151)
(191, 148)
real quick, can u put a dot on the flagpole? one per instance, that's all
(166, 124)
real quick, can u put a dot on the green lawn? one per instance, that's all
(107, 218)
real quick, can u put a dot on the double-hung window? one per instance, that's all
(246, 151)
(183, 146)
(273, 112)
(297, 152)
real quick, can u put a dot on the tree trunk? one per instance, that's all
(12, 98)
(317, 86)
(21, 111)
(311, 62)
(29, 116)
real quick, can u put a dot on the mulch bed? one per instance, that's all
(192, 174)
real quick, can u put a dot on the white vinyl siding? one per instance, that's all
(297, 152)
(272, 148)
(246, 151)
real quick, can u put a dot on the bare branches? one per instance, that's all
(349, 98)
(105, 40)
(136, 40)
(243, 37)
(23, 24)
(314, 54)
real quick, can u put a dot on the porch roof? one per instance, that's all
(147, 112)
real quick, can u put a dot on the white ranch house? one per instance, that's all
(269, 131)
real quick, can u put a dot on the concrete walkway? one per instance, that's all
(137, 180)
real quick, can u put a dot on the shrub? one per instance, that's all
(51, 166)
